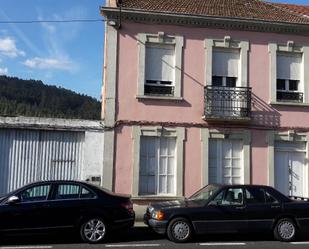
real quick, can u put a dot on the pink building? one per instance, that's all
(199, 92)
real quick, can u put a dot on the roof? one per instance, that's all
(299, 9)
(239, 9)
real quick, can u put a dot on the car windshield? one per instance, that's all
(205, 193)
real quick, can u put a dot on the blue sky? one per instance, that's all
(69, 55)
(63, 54)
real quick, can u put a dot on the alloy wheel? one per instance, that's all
(94, 230)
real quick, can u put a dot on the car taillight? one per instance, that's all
(128, 206)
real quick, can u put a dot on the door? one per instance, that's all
(66, 206)
(157, 174)
(290, 170)
(31, 212)
(226, 161)
(262, 208)
(227, 213)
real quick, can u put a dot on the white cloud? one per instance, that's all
(4, 70)
(50, 63)
(8, 48)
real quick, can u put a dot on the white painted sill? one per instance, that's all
(290, 104)
(141, 97)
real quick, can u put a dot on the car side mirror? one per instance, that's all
(13, 200)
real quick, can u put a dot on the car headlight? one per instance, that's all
(158, 215)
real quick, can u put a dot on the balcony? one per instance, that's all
(227, 103)
(289, 96)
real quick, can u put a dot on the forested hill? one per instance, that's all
(32, 98)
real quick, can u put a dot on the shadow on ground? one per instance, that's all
(135, 235)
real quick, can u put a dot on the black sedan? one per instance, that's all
(55, 205)
(230, 209)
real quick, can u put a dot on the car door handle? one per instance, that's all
(275, 206)
(240, 208)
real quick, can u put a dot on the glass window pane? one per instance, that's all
(280, 84)
(170, 184)
(233, 196)
(293, 85)
(255, 195)
(162, 184)
(171, 166)
(217, 81)
(151, 186)
(87, 193)
(231, 81)
(163, 166)
(38, 193)
(68, 191)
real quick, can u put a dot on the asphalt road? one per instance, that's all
(142, 237)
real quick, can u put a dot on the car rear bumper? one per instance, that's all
(124, 224)
(157, 225)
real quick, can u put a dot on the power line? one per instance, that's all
(52, 21)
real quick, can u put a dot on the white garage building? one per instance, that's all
(33, 149)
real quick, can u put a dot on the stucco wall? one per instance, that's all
(190, 110)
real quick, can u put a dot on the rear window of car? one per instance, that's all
(259, 196)
(73, 191)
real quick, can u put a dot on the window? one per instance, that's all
(232, 196)
(157, 166)
(225, 67)
(73, 191)
(255, 195)
(226, 161)
(288, 73)
(37, 193)
(288, 77)
(160, 69)
(160, 66)
(259, 196)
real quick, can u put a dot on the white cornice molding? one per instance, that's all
(205, 21)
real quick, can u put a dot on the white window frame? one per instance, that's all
(227, 43)
(290, 47)
(160, 39)
(245, 136)
(158, 131)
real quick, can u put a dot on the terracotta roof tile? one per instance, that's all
(244, 9)
(300, 9)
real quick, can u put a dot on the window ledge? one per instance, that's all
(141, 97)
(156, 197)
(289, 104)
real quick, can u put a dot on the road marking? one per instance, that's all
(133, 245)
(26, 247)
(222, 244)
(300, 243)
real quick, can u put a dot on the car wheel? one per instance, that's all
(179, 230)
(93, 230)
(285, 230)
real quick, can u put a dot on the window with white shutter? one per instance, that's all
(289, 77)
(226, 161)
(225, 67)
(160, 69)
(157, 166)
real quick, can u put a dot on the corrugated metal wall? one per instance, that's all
(33, 155)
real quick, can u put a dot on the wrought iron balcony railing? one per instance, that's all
(284, 96)
(227, 102)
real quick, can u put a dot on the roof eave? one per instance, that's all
(154, 17)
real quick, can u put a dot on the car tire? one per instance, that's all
(93, 230)
(285, 230)
(179, 230)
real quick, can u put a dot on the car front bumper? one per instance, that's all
(159, 226)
